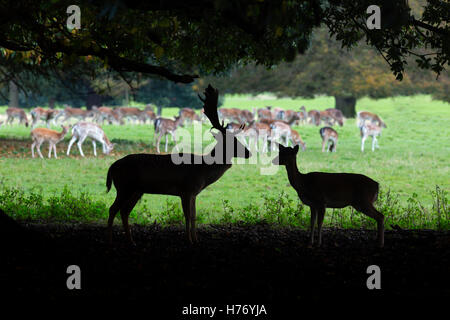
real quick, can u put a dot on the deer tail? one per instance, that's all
(109, 179)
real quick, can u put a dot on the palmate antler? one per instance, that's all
(210, 107)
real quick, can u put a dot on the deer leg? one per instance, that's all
(94, 146)
(323, 145)
(74, 138)
(193, 218)
(54, 151)
(32, 148)
(313, 222)
(113, 210)
(158, 141)
(79, 143)
(127, 207)
(363, 140)
(320, 216)
(38, 147)
(370, 211)
(166, 141)
(50, 149)
(187, 207)
(374, 140)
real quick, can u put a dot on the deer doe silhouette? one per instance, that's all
(320, 190)
(136, 174)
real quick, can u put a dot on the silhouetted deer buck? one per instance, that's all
(137, 174)
(320, 190)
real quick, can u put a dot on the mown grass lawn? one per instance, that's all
(412, 159)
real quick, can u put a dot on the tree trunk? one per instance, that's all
(159, 111)
(127, 98)
(346, 104)
(93, 99)
(13, 95)
(51, 103)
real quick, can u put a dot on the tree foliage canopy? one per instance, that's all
(177, 39)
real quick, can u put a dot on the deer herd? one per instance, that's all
(263, 127)
(137, 174)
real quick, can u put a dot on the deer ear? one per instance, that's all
(296, 149)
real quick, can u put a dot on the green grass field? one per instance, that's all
(412, 160)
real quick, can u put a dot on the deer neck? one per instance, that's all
(295, 177)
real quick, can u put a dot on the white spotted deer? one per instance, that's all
(18, 113)
(329, 139)
(40, 135)
(297, 139)
(280, 130)
(370, 130)
(321, 190)
(83, 130)
(364, 116)
(164, 127)
(137, 174)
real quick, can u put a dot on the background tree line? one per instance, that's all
(326, 68)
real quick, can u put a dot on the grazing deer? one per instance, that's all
(243, 132)
(329, 139)
(336, 115)
(278, 113)
(326, 117)
(232, 114)
(314, 117)
(130, 113)
(303, 115)
(264, 113)
(363, 116)
(290, 116)
(280, 129)
(76, 113)
(43, 114)
(164, 127)
(320, 190)
(137, 174)
(13, 113)
(147, 115)
(188, 115)
(372, 130)
(247, 116)
(83, 130)
(106, 113)
(297, 139)
(40, 135)
(255, 131)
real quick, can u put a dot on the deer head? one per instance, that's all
(227, 145)
(286, 155)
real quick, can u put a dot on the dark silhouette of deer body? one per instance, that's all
(320, 190)
(137, 174)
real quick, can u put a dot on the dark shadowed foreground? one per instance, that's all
(256, 264)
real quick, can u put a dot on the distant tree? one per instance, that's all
(13, 95)
(326, 68)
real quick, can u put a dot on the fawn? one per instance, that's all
(320, 190)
